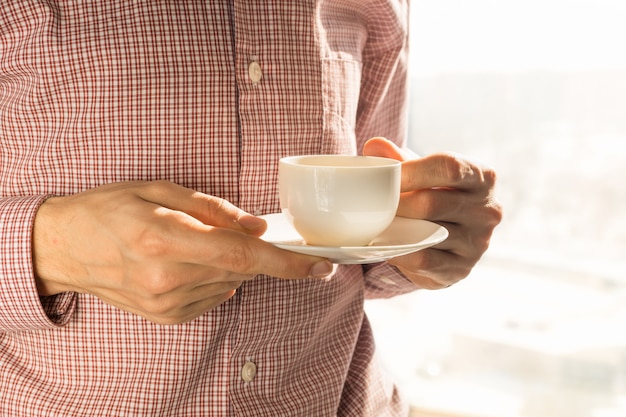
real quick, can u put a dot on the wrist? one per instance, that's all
(49, 249)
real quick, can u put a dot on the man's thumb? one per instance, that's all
(387, 149)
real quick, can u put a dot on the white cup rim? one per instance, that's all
(363, 161)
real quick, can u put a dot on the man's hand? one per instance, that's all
(450, 190)
(156, 249)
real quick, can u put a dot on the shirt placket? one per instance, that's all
(267, 77)
(244, 361)
(249, 61)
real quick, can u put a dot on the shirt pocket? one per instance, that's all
(341, 80)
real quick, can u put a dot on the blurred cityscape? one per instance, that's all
(539, 328)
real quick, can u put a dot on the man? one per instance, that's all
(139, 141)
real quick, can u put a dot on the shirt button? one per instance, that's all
(254, 72)
(248, 372)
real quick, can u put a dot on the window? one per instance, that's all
(536, 88)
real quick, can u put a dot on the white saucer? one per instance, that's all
(403, 236)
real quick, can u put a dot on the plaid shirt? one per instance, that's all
(208, 94)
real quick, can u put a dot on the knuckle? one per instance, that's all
(151, 306)
(159, 187)
(456, 274)
(427, 208)
(151, 243)
(159, 283)
(418, 204)
(429, 205)
(239, 257)
(218, 204)
(217, 208)
(476, 243)
(163, 308)
(455, 169)
(160, 307)
(495, 212)
(458, 169)
(482, 244)
(462, 271)
(489, 176)
(214, 206)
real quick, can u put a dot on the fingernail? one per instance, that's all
(321, 269)
(250, 222)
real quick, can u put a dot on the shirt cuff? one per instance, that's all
(383, 280)
(21, 307)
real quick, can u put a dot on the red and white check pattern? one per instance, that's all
(98, 91)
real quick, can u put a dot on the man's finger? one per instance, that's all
(249, 255)
(210, 210)
(173, 234)
(387, 149)
(446, 170)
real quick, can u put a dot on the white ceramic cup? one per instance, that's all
(338, 200)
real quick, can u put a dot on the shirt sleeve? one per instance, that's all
(383, 98)
(382, 112)
(21, 307)
(383, 280)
